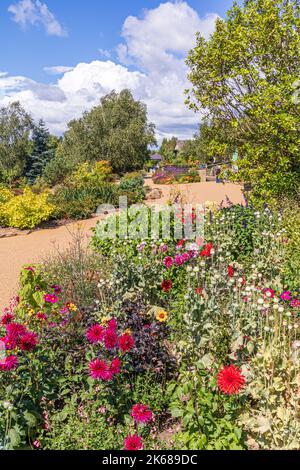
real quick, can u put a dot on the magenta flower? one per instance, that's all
(295, 303)
(115, 367)
(286, 295)
(50, 299)
(133, 442)
(110, 339)
(8, 363)
(168, 262)
(28, 341)
(141, 413)
(95, 334)
(100, 370)
(179, 260)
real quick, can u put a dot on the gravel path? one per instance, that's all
(28, 249)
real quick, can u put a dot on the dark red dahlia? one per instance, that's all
(8, 363)
(112, 324)
(100, 370)
(126, 342)
(115, 367)
(141, 413)
(28, 341)
(95, 334)
(230, 271)
(15, 330)
(110, 339)
(133, 442)
(166, 285)
(231, 380)
(7, 318)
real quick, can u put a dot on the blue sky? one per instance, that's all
(140, 44)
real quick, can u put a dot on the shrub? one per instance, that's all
(80, 202)
(132, 186)
(28, 210)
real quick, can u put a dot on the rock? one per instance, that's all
(155, 194)
(13, 232)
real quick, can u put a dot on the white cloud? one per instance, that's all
(57, 69)
(35, 12)
(155, 45)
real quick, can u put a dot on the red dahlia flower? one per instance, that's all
(110, 339)
(126, 342)
(15, 330)
(206, 252)
(28, 341)
(95, 334)
(115, 367)
(230, 271)
(112, 324)
(166, 285)
(168, 262)
(231, 380)
(7, 318)
(133, 442)
(8, 363)
(141, 413)
(100, 370)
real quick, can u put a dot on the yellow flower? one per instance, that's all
(128, 331)
(72, 307)
(162, 316)
(104, 321)
(31, 312)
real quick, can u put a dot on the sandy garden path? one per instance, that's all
(28, 249)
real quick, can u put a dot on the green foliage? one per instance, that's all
(27, 210)
(132, 186)
(117, 130)
(244, 75)
(43, 151)
(208, 420)
(80, 202)
(15, 129)
(167, 148)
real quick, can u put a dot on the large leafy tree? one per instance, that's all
(117, 131)
(244, 76)
(43, 150)
(15, 129)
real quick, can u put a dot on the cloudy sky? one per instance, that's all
(58, 57)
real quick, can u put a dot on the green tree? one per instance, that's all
(117, 131)
(167, 148)
(15, 129)
(244, 77)
(43, 150)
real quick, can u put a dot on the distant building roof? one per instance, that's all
(156, 157)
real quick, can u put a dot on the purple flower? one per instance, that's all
(56, 288)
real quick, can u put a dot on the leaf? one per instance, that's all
(264, 424)
(14, 438)
(30, 419)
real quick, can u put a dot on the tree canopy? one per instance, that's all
(117, 131)
(244, 77)
(15, 129)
